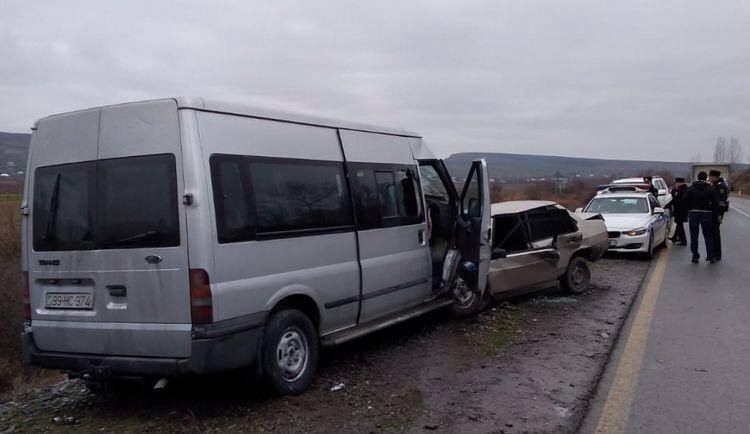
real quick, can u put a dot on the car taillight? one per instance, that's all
(201, 304)
(26, 298)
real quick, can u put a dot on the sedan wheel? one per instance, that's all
(577, 277)
(650, 252)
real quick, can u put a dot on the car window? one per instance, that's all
(112, 203)
(542, 225)
(63, 209)
(654, 203)
(257, 197)
(509, 233)
(471, 205)
(432, 184)
(386, 195)
(234, 217)
(618, 205)
(137, 202)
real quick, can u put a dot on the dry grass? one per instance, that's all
(12, 371)
(11, 284)
(575, 195)
(740, 181)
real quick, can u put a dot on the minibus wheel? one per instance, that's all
(289, 352)
(466, 302)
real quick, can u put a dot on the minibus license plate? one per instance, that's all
(57, 300)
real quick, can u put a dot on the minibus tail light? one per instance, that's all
(26, 297)
(201, 304)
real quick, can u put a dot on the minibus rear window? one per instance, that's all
(107, 204)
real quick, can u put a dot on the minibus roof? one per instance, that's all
(211, 105)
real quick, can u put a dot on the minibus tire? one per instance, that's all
(286, 333)
(462, 308)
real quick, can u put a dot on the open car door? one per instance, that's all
(475, 228)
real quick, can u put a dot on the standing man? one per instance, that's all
(679, 211)
(701, 198)
(650, 183)
(714, 177)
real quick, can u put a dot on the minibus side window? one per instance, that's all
(232, 199)
(386, 195)
(292, 196)
(263, 198)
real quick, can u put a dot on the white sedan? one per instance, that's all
(635, 221)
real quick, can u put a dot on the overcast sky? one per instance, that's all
(613, 79)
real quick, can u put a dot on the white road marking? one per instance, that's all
(740, 211)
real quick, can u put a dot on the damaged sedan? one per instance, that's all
(539, 243)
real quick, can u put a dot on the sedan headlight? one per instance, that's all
(636, 232)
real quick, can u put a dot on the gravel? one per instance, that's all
(529, 364)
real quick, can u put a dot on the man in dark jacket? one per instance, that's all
(650, 183)
(714, 177)
(679, 211)
(700, 199)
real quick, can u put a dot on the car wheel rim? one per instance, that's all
(578, 276)
(292, 354)
(463, 295)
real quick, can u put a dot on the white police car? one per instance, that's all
(635, 221)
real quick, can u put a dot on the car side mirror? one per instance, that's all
(659, 210)
(579, 209)
(498, 253)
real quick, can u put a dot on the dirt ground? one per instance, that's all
(525, 366)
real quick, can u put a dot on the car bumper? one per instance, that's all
(215, 349)
(628, 244)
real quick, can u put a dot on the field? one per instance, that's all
(740, 182)
(10, 291)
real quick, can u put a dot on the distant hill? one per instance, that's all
(521, 167)
(14, 147)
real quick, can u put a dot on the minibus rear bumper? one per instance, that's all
(215, 348)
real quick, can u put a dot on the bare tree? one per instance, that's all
(720, 150)
(734, 151)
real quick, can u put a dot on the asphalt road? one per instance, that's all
(682, 363)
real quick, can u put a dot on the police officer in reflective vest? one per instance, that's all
(721, 207)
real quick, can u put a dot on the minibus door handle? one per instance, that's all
(153, 259)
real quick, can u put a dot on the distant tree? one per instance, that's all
(734, 151)
(720, 150)
(728, 151)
